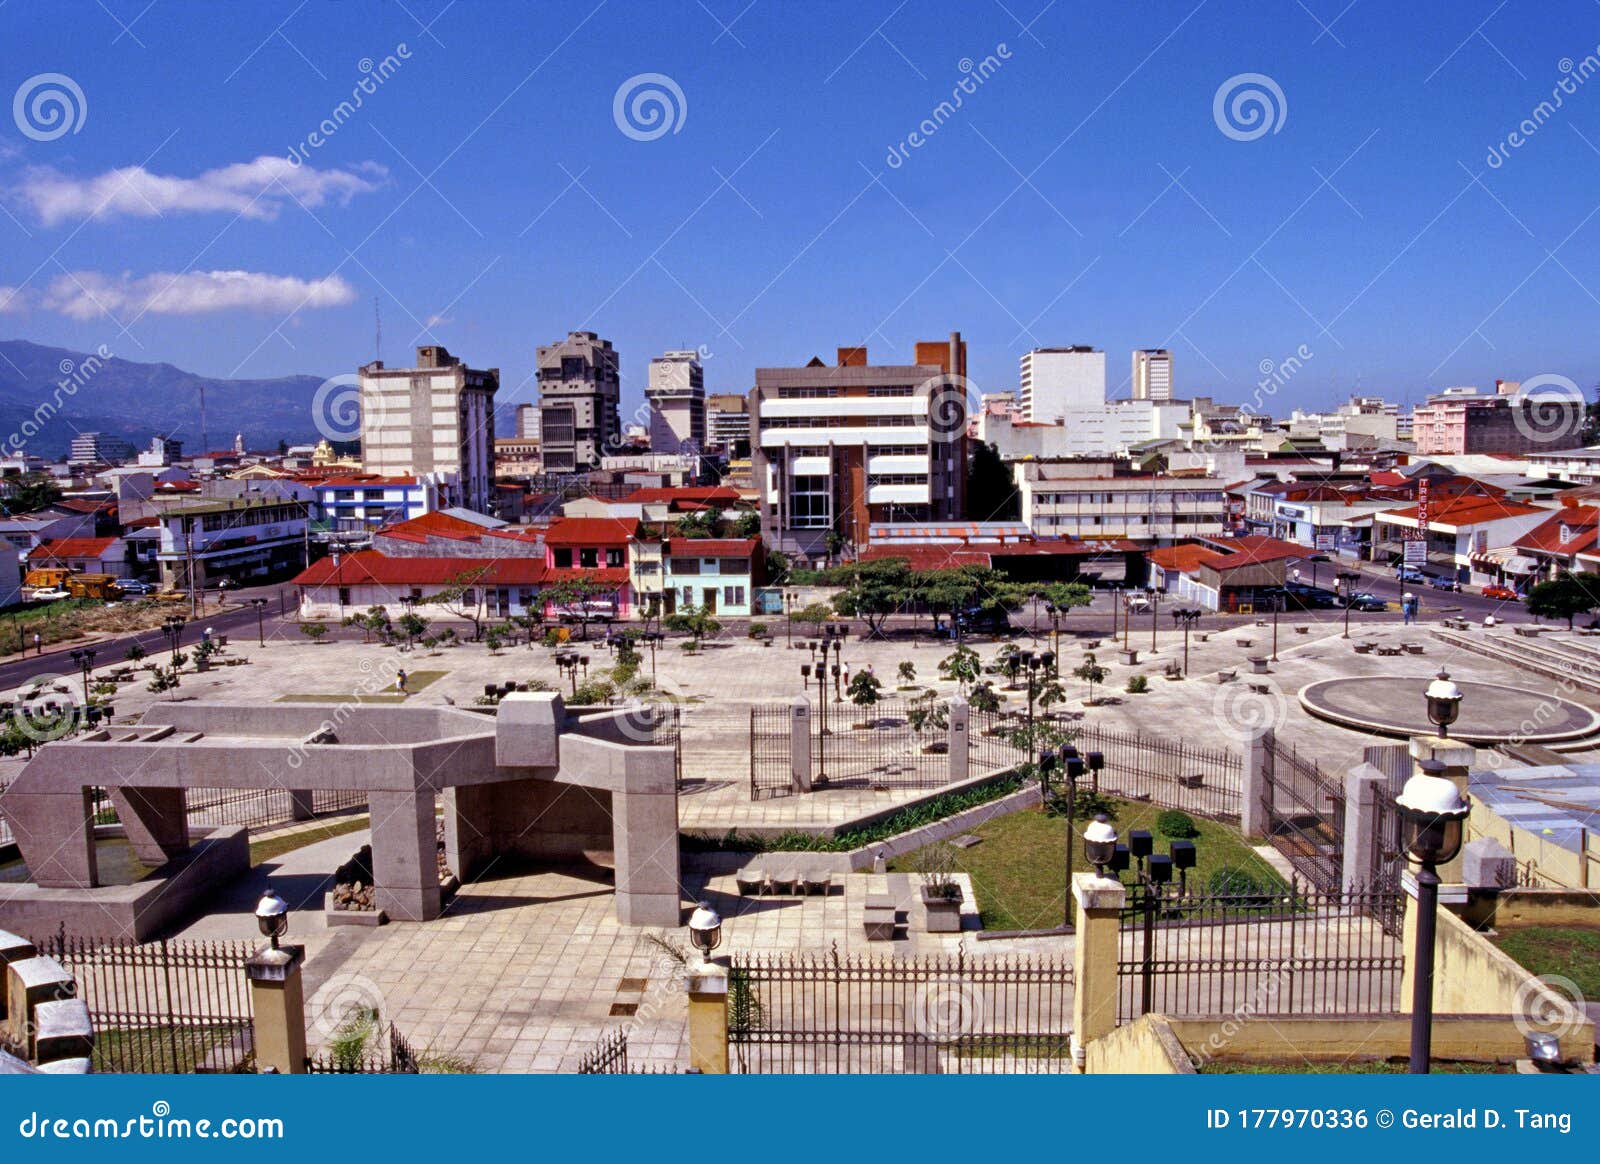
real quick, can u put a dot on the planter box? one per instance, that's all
(1195, 780)
(941, 915)
(351, 917)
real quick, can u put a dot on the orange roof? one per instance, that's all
(435, 525)
(698, 494)
(1184, 559)
(1467, 510)
(590, 531)
(369, 567)
(1582, 523)
(712, 547)
(72, 548)
(358, 481)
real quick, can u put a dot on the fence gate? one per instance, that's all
(771, 758)
(1271, 952)
(829, 1014)
(1304, 811)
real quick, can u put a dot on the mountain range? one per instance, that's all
(138, 401)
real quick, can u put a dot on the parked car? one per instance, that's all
(1443, 582)
(1500, 593)
(1138, 604)
(1367, 602)
(596, 610)
(1410, 574)
(135, 586)
(51, 594)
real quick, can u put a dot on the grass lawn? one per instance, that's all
(415, 681)
(1569, 951)
(1019, 868)
(265, 850)
(162, 1050)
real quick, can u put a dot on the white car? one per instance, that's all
(1138, 603)
(52, 594)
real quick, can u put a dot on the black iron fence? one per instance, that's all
(262, 807)
(165, 1007)
(1294, 951)
(393, 1056)
(1172, 773)
(827, 1013)
(771, 757)
(608, 1056)
(1304, 810)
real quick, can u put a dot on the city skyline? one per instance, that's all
(197, 215)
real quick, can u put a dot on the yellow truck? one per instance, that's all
(102, 586)
(46, 577)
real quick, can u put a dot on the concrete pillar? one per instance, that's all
(1363, 785)
(300, 805)
(278, 999)
(31, 982)
(55, 831)
(12, 949)
(800, 760)
(645, 845)
(960, 752)
(1457, 758)
(1098, 913)
(156, 821)
(405, 862)
(1253, 790)
(708, 1019)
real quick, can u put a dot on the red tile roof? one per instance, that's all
(606, 576)
(357, 481)
(85, 505)
(1184, 559)
(72, 548)
(1225, 553)
(434, 525)
(369, 567)
(590, 531)
(712, 547)
(1582, 523)
(697, 494)
(1467, 510)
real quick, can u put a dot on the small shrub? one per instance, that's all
(758, 630)
(1178, 826)
(1231, 882)
(688, 645)
(937, 865)
(552, 637)
(592, 692)
(1138, 684)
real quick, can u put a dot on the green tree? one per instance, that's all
(864, 689)
(1092, 673)
(575, 594)
(313, 630)
(1064, 596)
(413, 625)
(29, 492)
(695, 621)
(991, 490)
(463, 598)
(1565, 596)
(874, 591)
(135, 653)
(962, 665)
(984, 698)
(907, 671)
(747, 524)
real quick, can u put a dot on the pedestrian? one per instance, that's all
(1408, 607)
(400, 681)
(1488, 621)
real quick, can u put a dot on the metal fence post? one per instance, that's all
(1100, 901)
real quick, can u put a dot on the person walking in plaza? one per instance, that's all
(400, 681)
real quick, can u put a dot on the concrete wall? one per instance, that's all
(1471, 1038)
(1147, 1046)
(1512, 909)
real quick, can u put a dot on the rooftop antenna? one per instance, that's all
(377, 329)
(205, 440)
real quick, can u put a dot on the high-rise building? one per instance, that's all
(727, 421)
(1058, 381)
(1152, 374)
(580, 386)
(677, 395)
(435, 418)
(1464, 420)
(528, 422)
(98, 448)
(838, 448)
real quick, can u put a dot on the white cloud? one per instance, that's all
(12, 301)
(88, 294)
(257, 189)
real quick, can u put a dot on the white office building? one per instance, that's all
(1152, 374)
(677, 395)
(1059, 381)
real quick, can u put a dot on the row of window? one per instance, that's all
(896, 479)
(872, 450)
(1149, 498)
(588, 557)
(266, 515)
(829, 392)
(1130, 520)
(731, 596)
(842, 421)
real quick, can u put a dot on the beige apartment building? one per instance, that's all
(1093, 500)
(437, 417)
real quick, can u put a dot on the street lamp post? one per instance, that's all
(1444, 703)
(1346, 579)
(788, 622)
(261, 631)
(1072, 766)
(652, 639)
(820, 671)
(174, 628)
(1432, 810)
(1155, 604)
(85, 663)
(1277, 605)
(1153, 874)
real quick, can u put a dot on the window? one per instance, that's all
(588, 557)
(685, 565)
(469, 598)
(344, 596)
(733, 596)
(810, 503)
(614, 557)
(525, 598)
(563, 558)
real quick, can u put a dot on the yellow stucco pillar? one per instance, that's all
(1098, 907)
(708, 1019)
(278, 1000)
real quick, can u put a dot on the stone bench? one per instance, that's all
(1258, 664)
(879, 918)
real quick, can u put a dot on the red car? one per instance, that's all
(1503, 593)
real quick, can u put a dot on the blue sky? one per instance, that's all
(1085, 192)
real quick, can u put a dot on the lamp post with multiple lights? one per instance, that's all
(1346, 580)
(261, 627)
(173, 627)
(84, 660)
